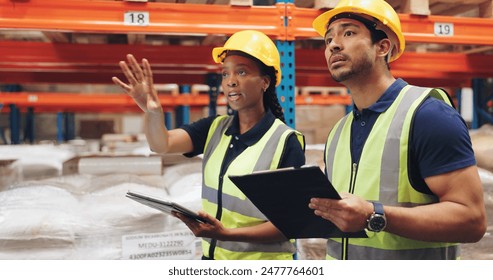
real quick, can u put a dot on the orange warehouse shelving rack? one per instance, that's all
(35, 62)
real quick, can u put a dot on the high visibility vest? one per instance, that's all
(382, 175)
(236, 209)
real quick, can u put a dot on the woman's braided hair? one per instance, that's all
(270, 96)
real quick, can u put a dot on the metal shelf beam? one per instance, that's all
(419, 29)
(99, 102)
(35, 62)
(202, 19)
(104, 102)
(108, 17)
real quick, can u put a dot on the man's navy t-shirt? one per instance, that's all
(439, 140)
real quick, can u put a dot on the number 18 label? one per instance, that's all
(136, 18)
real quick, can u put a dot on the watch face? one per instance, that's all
(377, 223)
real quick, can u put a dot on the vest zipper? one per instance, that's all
(219, 212)
(352, 183)
(212, 246)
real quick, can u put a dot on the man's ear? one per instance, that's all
(384, 48)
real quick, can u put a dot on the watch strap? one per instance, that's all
(378, 207)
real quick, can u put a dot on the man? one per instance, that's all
(402, 160)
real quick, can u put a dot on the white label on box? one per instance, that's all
(173, 245)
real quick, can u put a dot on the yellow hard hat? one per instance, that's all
(377, 11)
(254, 43)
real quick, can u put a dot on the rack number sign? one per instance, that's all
(136, 18)
(444, 29)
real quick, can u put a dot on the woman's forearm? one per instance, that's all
(156, 132)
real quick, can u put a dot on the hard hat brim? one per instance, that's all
(216, 53)
(218, 57)
(320, 22)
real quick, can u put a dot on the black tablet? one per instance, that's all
(283, 195)
(164, 206)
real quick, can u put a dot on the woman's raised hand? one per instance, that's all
(140, 84)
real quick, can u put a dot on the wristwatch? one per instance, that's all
(377, 220)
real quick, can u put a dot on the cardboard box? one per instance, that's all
(95, 129)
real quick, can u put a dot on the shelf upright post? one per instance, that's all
(29, 129)
(213, 80)
(59, 126)
(15, 122)
(2, 132)
(286, 89)
(168, 120)
(481, 95)
(2, 135)
(458, 95)
(183, 111)
(69, 126)
(14, 115)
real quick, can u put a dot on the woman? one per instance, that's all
(254, 138)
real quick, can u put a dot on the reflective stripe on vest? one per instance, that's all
(383, 163)
(237, 210)
(441, 253)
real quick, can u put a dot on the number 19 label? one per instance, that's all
(444, 29)
(136, 18)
